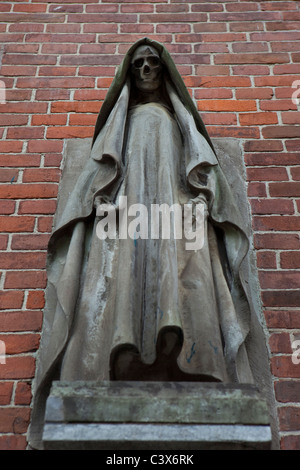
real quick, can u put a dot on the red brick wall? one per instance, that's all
(240, 60)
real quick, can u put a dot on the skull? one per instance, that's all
(146, 69)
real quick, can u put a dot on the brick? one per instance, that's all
(70, 132)
(60, 38)
(250, 47)
(213, 93)
(5, 393)
(21, 321)
(283, 319)
(289, 418)
(70, 82)
(22, 261)
(293, 145)
(251, 70)
(280, 132)
(226, 105)
(290, 442)
(282, 25)
(82, 120)
(52, 159)
(11, 147)
(10, 300)
(23, 394)
(41, 175)
(295, 172)
(264, 159)
(254, 93)
(136, 28)
(76, 107)
(106, 28)
(142, 8)
(37, 207)
(282, 298)
(49, 119)
(30, 242)
(7, 207)
(280, 280)
(266, 260)
(207, 28)
(247, 6)
(59, 48)
(259, 119)
(32, 8)
(26, 107)
(267, 174)
(7, 70)
(3, 242)
(25, 133)
(259, 58)
(63, 28)
(219, 118)
(28, 191)
(275, 80)
(287, 391)
(13, 442)
(17, 224)
(57, 71)
(45, 224)
(277, 105)
(66, 8)
(106, 18)
(245, 16)
(18, 344)
(257, 190)
(286, 189)
(13, 120)
(276, 36)
(291, 118)
(42, 146)
(14, 420)
(174, 18)
(96, 49)
(287, 223)
(29, 59)
(276, 241)
(23, 160)
(280, 343)
(263, 146)
(272, 206)
(290, 260)
(236, 132)
(25, 279)
(8, 175)
(35, 300)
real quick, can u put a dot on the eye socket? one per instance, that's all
(138, 63)
(153, 61)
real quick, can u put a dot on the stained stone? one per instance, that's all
(155, 415)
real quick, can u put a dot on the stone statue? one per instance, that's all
(125, 308)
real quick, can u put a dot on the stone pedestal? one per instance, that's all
(155, 416)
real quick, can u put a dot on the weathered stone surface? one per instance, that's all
(155, 415)
(155, 402)
(132, 437)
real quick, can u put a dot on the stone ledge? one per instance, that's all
(92, 436)
(155, 415)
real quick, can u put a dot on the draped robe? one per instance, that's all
(115, 306)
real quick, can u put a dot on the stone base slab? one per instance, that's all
(155, 415)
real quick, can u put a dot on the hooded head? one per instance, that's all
(148, 48)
